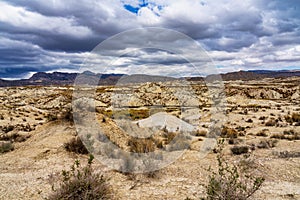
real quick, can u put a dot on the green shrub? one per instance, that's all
(82, 183)
(230, 182)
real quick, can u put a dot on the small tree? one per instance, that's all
(230, 182)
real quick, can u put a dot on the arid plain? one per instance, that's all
(262, 117)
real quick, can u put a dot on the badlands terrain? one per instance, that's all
(261, 116)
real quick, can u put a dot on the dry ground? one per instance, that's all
(32, 111)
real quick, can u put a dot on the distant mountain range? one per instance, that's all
(61, 78)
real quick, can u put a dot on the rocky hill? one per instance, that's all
(61, 78)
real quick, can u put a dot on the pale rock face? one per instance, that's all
(165, 120)
(296, 95)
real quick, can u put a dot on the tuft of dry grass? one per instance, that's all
(141, 145)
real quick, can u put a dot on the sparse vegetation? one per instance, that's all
(231, 181)
(288, 154)
(14, 137)
(82, 183)
(229, 132)
(266, 144)
(271, 122)
(295, 117)
(201, 133)
(7, 128)
(75, 145)
(287, 135)
(262, 133)
(237, 150)
(141, 145)
(6, 146)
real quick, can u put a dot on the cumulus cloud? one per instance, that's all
(58, 35)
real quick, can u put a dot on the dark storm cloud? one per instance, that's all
(53, 35)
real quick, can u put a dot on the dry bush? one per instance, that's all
(296, 117)
(138, 114)
(8, 128)
(237, 150)
(271, 122)
(288, 154)
(51, 117)
(278, 136)
(201, 133)
(82, 183)
(266, 144)
(231, 181)
(229, 132)
(14, 137)
(180, 142)
(262, 118)
(6, 146)
(141, 145)
(169, 137)
(262, 133)
(249, 121)
(287, 135)
(76, 145)
(289, 132)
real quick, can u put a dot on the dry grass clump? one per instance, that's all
(141, 145)
(76, 145)
(82, 183)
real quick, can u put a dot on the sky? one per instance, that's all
(64, 35)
